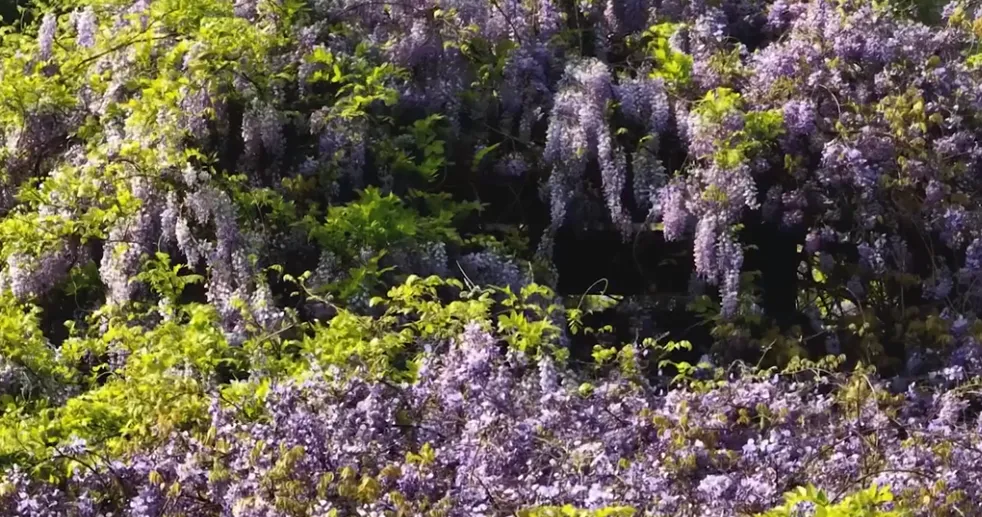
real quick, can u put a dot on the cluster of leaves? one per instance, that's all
(870, 502)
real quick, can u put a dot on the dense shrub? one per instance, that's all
(816, 158)
(477, 432)
(298, 257)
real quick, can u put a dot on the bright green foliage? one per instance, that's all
(413, 312)
(361, 83)
(588, 304)
(170, 365)
(420, 152)
(672, 66)
(22, 345)
(382, 222)
(759, 127)
(161, 388)
(526, 325)
(870, 502)
(167, 280)
(379, 222)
